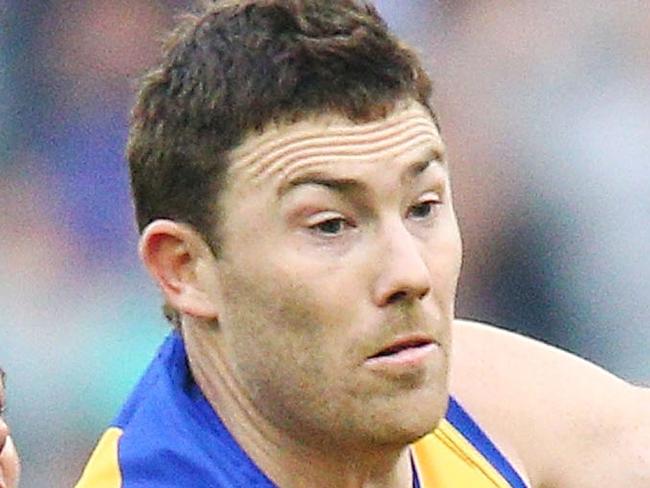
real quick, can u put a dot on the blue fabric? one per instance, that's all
(416, 480)
(461, 420)
(172, 436)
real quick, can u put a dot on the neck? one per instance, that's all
(287, 461)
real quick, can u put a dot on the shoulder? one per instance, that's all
(551, 411)
(167, 434)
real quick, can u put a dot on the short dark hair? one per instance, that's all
(233, 67)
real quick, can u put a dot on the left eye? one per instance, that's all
(423, 210)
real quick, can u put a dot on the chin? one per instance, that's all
(411, 420)
(397, 437)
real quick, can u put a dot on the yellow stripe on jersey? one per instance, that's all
(445, 459)
(103, 469)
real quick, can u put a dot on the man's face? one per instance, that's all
(337, 275)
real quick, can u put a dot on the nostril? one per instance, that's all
(396, 297)
(399, 296)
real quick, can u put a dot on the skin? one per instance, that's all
(554, 413)
(9, 463)
(338, 239)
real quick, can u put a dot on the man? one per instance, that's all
(9, 463)
(293, 196)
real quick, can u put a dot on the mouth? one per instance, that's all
(404, 353)
(401, 345)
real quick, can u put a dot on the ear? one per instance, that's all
(176, 256)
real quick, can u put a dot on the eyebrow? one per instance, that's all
(349, 185)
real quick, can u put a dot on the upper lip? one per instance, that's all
(403, 342)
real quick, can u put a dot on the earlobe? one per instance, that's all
(173, 253)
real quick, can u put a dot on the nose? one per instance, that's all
(404, 275)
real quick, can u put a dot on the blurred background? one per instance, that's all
(545, 108)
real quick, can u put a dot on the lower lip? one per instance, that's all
(410, 358)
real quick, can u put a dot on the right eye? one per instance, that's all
(330, 227)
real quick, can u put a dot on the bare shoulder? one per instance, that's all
(564, 421)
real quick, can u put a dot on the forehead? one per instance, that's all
(408, 132)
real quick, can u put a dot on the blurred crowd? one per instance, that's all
(545, 109)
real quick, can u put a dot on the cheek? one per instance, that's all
(272, 311)
(451, 245)
(454, 250)
(445, 264)
(278, 345)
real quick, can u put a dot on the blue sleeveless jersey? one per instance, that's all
(167, 435)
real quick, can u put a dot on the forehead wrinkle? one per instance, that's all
(329, 147)
(350, 132)
(315, 161)
(268, 140)
(352, 144)
(279, 140)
